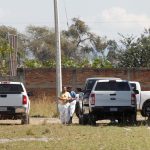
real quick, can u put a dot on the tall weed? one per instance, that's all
(43, 107)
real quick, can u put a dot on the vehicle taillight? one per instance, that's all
(24, 100)
(92, 99)
(133, 99)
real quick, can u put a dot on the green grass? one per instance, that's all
(77, 137)
(74, 137)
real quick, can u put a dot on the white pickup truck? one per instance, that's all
(14, 101)
(110, 99)
(143, 99)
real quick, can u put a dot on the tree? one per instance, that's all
(77, 43)
(127, 52)
(135, 52)
(5, 49)
(83, 41)
(33, 63)
(112, 52)
(144, 48)
(100, 63)
(4, 57)
(41, 42)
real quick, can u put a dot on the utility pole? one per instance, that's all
(58, 50)
(12, 39)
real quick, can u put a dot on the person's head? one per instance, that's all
(69, 88)
(79, 90)
(64, 89)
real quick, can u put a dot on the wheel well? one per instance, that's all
(143, 107)
(147, 101)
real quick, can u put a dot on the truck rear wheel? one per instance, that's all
(78, 109)
(146, 109)
(92, 120)
(148, 120)
(83, 119)
(122, 119)
(25, 119)
(132, 119)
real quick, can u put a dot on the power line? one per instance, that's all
(66, 13)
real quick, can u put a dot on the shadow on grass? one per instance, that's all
(138, 123)
(10, 124)
(39, 116)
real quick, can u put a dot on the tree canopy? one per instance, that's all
(79, 46)
(135, 53)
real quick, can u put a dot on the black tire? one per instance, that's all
(132, 119)
(92, 120)
(144, 112)
(78, 109)
(122, 119)
(83, 119)
(25, 119)
(148, 121)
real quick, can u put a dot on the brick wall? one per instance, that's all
(43, 81)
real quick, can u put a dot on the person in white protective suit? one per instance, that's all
(72, 103)
(63, 106)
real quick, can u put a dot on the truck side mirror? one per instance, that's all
(30, 94)
(136, 91)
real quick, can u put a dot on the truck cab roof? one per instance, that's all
(91, 81)
(9, 82)
(102, 78)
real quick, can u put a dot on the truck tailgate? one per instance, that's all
(11, 99)
(113, 98)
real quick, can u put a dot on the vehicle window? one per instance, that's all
(133, 85)
(11, 88)
(112, 86)
(90, 84)
(87, 93)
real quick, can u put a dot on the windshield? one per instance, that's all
(112, 86)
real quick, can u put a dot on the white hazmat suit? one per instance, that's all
(64, 108)
(72, 105)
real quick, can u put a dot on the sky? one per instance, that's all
(104, 18)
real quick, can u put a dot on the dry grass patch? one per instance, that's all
(43, 107)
